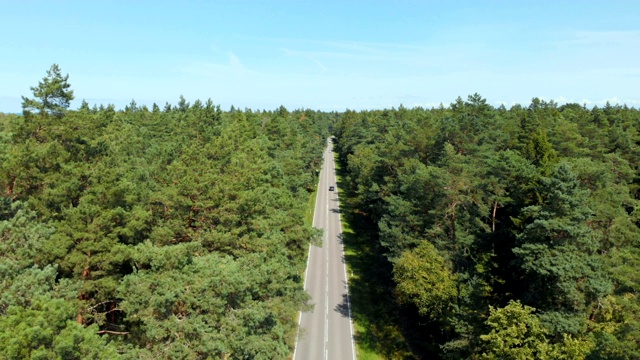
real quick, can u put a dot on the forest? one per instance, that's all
(505, 233)
(182, 231)
(139, 233)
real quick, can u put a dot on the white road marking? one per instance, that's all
(327, 167)
(326, 281)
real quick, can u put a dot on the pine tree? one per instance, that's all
(557, 252)
(52, 96)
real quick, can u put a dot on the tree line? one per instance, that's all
(511, 233)
(179, 232)
(174, 232)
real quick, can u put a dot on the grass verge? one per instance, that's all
(308, 221)
(311, 206)
(375, 314)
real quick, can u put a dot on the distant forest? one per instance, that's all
(182, 231)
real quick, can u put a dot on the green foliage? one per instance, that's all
(236, 308)
(534, 204)
(39, 311)
(52, 95)
(424, 279)
(181, 234)
(619, 325)
(44, 331)
(517, 333)
(557, 251)
(23, 236)
(539, 151)
(175, 234)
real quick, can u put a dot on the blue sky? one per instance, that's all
(325, 55)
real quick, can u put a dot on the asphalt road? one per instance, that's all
(326, 332)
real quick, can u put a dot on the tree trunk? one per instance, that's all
(493, 219)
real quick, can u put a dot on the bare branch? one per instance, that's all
(101, 332)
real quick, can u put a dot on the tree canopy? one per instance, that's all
(510, 233)
(179, 231)
(140, 233)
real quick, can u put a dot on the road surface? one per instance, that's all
(326, 332)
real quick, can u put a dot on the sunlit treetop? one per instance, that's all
(52, 96)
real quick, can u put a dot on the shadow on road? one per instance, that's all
(343, 307)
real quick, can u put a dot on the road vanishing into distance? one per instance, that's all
(326, 332)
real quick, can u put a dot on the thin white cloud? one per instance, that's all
(308, 56)
(599, 45)
(350, 45)
(231, 67)
(607, 37)
(234, 62)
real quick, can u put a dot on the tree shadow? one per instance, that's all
(343, 307)
(373, 305)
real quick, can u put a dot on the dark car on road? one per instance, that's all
(331, 188)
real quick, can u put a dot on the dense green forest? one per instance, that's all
(153, 233)
(179, 231)
(508, 233)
